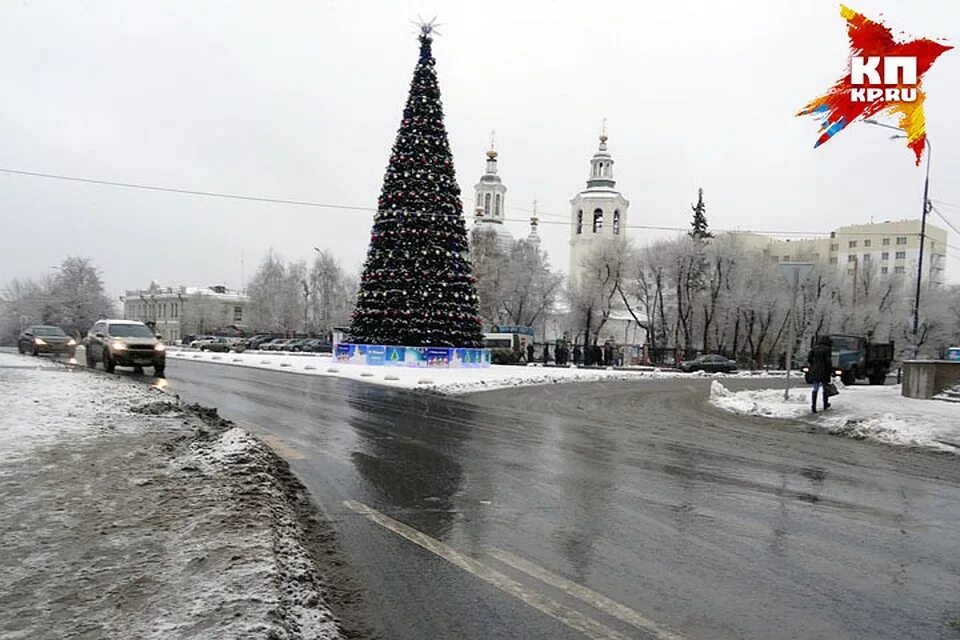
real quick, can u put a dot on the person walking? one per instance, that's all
(530, 352)
(821, 367)
(546, 352)
(577, 355)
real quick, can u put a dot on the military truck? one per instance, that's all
(857, 357)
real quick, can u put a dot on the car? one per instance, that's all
(298, 344)
(125, 343)
(42, 338)
(263, 344)
(198, 341)
(214, 344)
(237, 344)
(318, 345)
(254, 342)
(709, 364)
(278, 345)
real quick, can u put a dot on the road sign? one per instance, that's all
(795, 272)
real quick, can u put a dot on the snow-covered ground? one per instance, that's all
(443, 381)
(124, 514)
(876, 412)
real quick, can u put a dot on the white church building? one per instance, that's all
(598, 215)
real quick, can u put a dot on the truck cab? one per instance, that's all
(855, 357)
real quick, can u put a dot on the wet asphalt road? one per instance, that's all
(711, 525)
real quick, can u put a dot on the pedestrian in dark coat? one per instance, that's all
(577, 355)
(608, 355)
(821, 370)
(546, 352)
(530, 352)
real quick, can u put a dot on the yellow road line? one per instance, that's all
(285, 450)
(594, 599)
(570, 617)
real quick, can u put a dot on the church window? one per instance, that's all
(616, 222)
(486, 204)
(580, 222)
(497, 212)
(597, 220)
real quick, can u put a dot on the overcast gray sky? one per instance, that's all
(302, 101)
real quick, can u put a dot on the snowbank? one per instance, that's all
(443, 381)
(42, 402)
(876, 412)
(128, 515)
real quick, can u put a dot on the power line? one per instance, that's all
(944, 218)
(192, 192)
(344, 207)
(945, 203)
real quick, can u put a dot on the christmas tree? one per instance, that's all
(699, 222)
(416, 288)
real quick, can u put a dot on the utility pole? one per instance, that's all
(923, 230)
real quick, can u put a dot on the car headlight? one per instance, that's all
(38, 342)
(159, 347)
(838, 372)
(119, 346)
(71, 342)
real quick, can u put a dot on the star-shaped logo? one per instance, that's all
(883, 76)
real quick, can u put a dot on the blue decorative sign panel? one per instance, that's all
(393, 356)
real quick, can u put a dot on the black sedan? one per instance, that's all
(709, 364)
(42, 338)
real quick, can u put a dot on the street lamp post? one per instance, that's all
(923, 231)
(306, 304)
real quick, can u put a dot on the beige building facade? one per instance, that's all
(178, 311)
(889, 248)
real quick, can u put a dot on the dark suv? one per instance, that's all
(127, 343)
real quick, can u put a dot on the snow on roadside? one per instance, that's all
(875, 412)
(41, 402)
(442, 381)
(168, 520)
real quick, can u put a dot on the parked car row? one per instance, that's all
(311, 345)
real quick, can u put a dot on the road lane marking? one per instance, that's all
(285, 450)
(281, 447)
(570, 617)
(592, 598)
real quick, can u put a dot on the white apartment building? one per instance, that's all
(891, 248)
(178, 311)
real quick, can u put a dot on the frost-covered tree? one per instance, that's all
(331, 294)
(699, 227)
(79, 296)
(597, 293)
(740, 306)
(515, 283)
(296, 297)
(73, 298)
